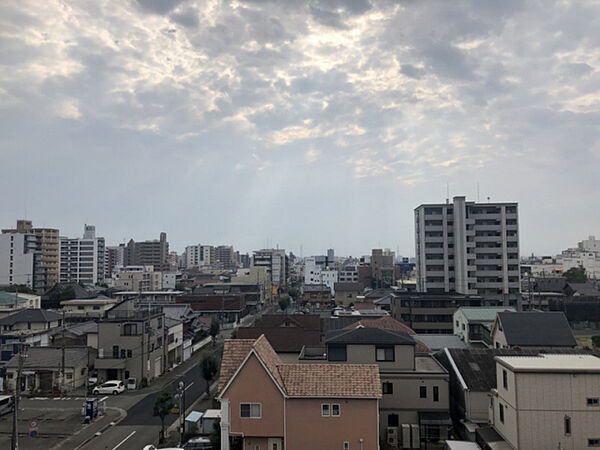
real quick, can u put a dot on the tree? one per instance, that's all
(215, 327)
(215, 435)
(575, 275)
(209, 366)
(163, 405)
(284, 302)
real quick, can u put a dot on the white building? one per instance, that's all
(199, 256)
(467, 247)
(21, 260)
(82, 259)
(275, 260)
(547, 401)
(169, 280)
(314, 273)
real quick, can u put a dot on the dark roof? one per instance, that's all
(552, 284)
(477, 366)
(83, 328)
(335, 323)
(367, 336)
(537, 329)
(50, 357)
(78, 290)
(586, 288)
(315, 288)
(348, 286)
(213, 302)
(31, 315)
(306, 321)
(378, 293)
(283, 339)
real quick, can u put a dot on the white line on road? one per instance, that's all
(103, 398)
(121, 443)
(189, 386)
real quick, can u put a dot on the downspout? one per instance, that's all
(284, 424)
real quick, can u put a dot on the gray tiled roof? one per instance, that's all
(537, 329)
(31, 315)
(369, 336)
(50, 357)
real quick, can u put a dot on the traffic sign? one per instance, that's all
(33, 424)
(33, 433)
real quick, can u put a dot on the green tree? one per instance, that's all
(575, 275)
(163, 405)
(284, 302)
(209, 366)
(215, 435)
(215, 327)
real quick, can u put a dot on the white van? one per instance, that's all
(7, 404)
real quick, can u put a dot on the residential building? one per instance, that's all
(174, 342)
(317, 295)
(414, 406)
(258, 276)
(469, 248)
(299, 406)
(82, 259)
(199, 256)
(547, 401)
(474, 324)
(83, 334)
(42, 369)
(32, 326)
(427, 312)
(12, 301)
(348, 274)
(149, 253)
(225, 256)
(347, 293)
(130, 343)
(115, 256)
(21, 261)
(315, 273)
(84, 309)
(276, 262)
(228, 308)
(49, 246)
(532, 330)
(137, 278)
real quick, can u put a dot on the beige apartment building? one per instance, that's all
(137, 278)
(547, 401)
(50, 247)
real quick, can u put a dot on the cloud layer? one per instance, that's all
(316, 123)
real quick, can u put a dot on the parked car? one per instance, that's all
(7, 404)
(110, 387)
(198, 443)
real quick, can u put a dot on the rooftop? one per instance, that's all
(551, 363)
(31, 315)
(482, 314)
(50, 357)
(367, 336)
(10, 298)
(537, 329)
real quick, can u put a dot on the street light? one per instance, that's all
(181, 395)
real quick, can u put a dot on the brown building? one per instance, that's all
(155, 253)
(298, 406)
(347, 293)
(316, 295)
(50, 246)
(225, 307)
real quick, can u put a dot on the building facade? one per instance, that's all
(470, 248)
(21, 261)
(276, 262)
(82, 259)
(149, 253)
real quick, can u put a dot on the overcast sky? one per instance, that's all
(313, 123)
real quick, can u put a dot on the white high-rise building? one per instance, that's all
(21, 261)
(199, 256)
(82, 259)
(468, 248)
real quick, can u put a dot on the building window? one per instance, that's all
(501, 408)
(335, 410)
(567, 426)
(436, 394)
(387, 387)
(393, 420)
(423, 392)
(593, 401)
(384, 353)
(130, 329)
(115, 351)
(504, 379)
(594, 442)
(336, 353)
(346, 445)
(250, 411)
(325, 410)
(129, 355)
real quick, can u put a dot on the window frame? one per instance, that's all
(505, 379)
(593, 401)
(250, 405)
(324, 407)
(346, 445)
(332, 410)
(337, 347)
(436, 393)
(567, 426)
(389, 385)
(501, 412)
(386, 355)
(422, 391)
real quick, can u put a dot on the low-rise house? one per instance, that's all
(32, 326)
(346, 293)
(414, 407)
(84, 309)
(84, 334)
(532, 330)
(225, 307)
(41, 370)
(437, 342)
(148, 296)
(12, 301)
(473, 324)
(316, 295)
(174, 338)
(298, 406)
(547, 401)
(130, 343)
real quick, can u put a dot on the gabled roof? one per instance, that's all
(301, 380)
(83, 328)
(369, 336)
(31, 315)
(389, 323)
(483, 314)
(440, 341)
(283, 339)
(586, 288)
(306, 321)
(537, 329)
(50, 357)
(348, 286)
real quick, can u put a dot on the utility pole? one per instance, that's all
(62, 374)
(14, 444)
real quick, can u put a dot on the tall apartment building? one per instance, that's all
(50, 247)
(146, 253)
(275, 260)
(115, 256)
(21, 261)
(82, 259)
(469, 248)
(199, 256)
(226, 256)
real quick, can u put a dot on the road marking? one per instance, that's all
(189, 386)
(103, 398)
(123, 441)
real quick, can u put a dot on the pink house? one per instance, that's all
(270, 405)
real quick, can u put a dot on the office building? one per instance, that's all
(276, 262)
(82, 259)
(469, 248)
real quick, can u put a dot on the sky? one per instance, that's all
(299, 124)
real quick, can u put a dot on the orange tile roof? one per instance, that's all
(234, 353)
(389, 323)
(268, 357)
(331, 380)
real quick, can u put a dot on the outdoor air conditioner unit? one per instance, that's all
(392, 436)
(416, 440)
(406, 435)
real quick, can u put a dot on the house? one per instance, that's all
(414, 406)
(84, 334)
(474, 324)
(42, 367)
(346, 293)
(130, 343)
(287, 334)
(34, 326)
(174, 339)
(528, 417)
(84, 309)
(437, 342)
(317, 295)
(228, 308)
(587, 289)
(298, 406)
(532, 329)
(389, 323)
(12, 301)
